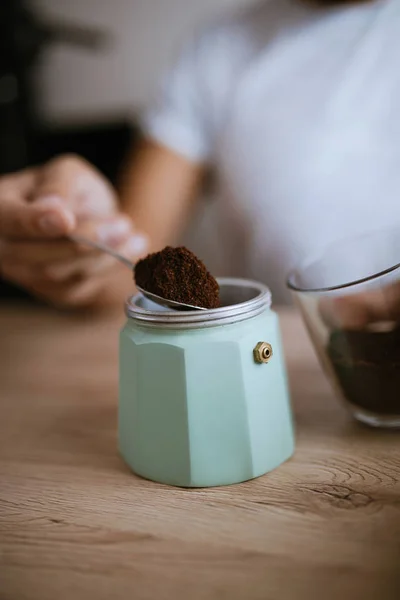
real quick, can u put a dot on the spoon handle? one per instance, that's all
(84, 240)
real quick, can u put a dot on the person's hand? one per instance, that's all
(39, 208)
(362, 310)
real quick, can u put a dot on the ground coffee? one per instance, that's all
(367, 366)
(177, 274)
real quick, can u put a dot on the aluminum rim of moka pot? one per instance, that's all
(260, 299)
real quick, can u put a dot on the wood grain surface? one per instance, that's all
(75, 523)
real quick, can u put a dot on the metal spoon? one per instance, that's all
(79, 239)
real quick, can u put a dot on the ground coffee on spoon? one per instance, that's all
(177, 274)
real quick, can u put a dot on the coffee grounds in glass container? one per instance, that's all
(367, 366)
(177, 274)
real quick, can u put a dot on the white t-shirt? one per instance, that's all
(299, 109)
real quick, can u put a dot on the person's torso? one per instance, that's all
(308, 148)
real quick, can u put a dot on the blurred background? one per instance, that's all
(74, 77)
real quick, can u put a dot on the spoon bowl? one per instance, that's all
(168, 303)
(80, 239)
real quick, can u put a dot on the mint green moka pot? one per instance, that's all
(203, 394)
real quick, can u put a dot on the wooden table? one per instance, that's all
(75, 523)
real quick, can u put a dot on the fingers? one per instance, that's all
(36, 253)
(70, 294)
(78, 185)
(63, 272)
(110, 284)
(93, 263)
(20, 219)
(41, 253)
(110, 231)
(116, 232)
(47, 202)
(84, 266)
(23, 182)
(53, 270)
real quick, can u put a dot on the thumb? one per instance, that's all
(84, 191)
